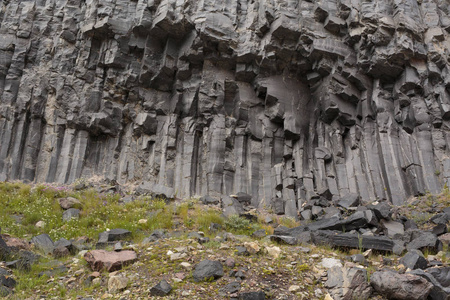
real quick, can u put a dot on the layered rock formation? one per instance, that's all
(277, 99)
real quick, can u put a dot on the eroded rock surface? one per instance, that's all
(275, 99)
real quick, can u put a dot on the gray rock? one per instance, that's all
(154, 236)
(356, 241)
(231, 206)
(5, 251)
(348, 283)
(283, 239)
(440, 279)
(441, 219)
(382, 210)
(260, 295)
(306, 215)
(259, 234)
(230, 288)
(163, 288)
(113, 235)
(400, 286)
(7, 281)
(349, 200)
(71, 213)
(4, 291)
(425, 240)
(392, 228)
(207, 269)
(208, 200)
(414, 260)
(156, 190)
(243, 198)
(242, 251)
(439, 229)
(43, 243)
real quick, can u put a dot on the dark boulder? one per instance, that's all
(400, 286)
(207, 269)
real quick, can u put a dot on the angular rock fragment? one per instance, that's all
(400, 286)
(207, 269)
(414, 260)
(69, 202)
(44, 243)
(348, 283)
(100, 260)
(162, 289)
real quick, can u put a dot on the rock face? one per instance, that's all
(275, 99)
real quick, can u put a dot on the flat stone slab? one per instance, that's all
(100, 260)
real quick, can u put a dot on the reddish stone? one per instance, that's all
(60, 252)
(15, 242)
(69, 202)
(445, 238)
(110, 261)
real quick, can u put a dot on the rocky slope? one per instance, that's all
(277, 99)
(186, 250)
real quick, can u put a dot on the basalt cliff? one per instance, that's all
(277, 99)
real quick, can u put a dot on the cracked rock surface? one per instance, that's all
(276, 99)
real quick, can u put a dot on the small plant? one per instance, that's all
(205, 218)
(240, 225)
(303, 268)
(289, 222)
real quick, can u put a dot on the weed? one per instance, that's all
(240, 225)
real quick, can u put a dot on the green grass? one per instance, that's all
(99, 212)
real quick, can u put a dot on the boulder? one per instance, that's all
(356, 241)
(109, 261)
(231, 206)
(400, 286)
(439, 229)
(207, 269)
(117, 284)
(329, 263)
(445, 238)
(348, 283)
(208, 200)
(66, 244)
(163, 288)
(284, 239)
(259, 234)
(243, 198)
(154, 236)
(414, 260)
(440, 279)
(71, 213)
(349, 200)
(43, 243)
(424, 240)
(111, 236)
(260, 295)
(382, 210)
(230, 288)
(7, 281)
(441, 218)
(5, 251)
(69, 202)
(392, 228)
(156, 190)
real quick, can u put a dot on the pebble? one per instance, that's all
(294, 288)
